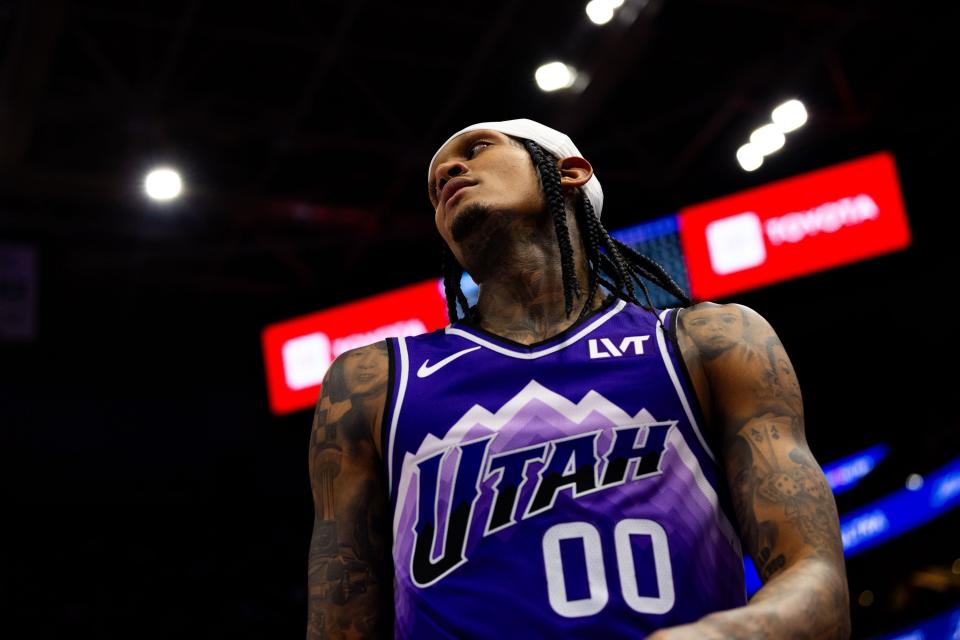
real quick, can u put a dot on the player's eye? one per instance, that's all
(472, 149)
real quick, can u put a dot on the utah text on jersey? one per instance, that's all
(573, 464)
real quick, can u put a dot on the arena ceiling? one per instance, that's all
(303, 130)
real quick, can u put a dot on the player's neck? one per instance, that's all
(523, 299)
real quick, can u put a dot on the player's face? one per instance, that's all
(477, 173)
(714, 331)
(365, 371)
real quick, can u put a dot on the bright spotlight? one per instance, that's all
(163, 184)
(599, 11)
(555, 75)
(767, 139)
(749, 157)
(789, 116)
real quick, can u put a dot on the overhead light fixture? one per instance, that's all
(789, 116)
(749, 157)
(767, 139)
(601, 11)
(163, 184)
(554, 76)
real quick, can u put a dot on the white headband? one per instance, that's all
(559, 144)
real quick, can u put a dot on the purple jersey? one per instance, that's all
(558, 489)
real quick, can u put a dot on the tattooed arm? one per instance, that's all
(349, 571)
(784, 506)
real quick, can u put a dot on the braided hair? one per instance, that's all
(612, 263)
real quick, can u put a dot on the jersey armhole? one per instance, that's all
(707, 430)
(388, 402)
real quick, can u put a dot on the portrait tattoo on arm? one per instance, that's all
(350, 574)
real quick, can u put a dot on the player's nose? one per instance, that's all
(447, 170)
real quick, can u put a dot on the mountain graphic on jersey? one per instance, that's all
(496, 471)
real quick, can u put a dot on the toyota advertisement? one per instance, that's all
(794, 227)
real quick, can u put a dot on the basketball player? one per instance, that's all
(563, 460)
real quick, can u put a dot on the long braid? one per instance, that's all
(591, 245)
(616, 267)
(658, 275)
(626, 271)
(638, 266)
(549, 173)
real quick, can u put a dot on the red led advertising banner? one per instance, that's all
(297, 352)
(794, 227)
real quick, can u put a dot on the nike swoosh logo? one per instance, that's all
(427, 369)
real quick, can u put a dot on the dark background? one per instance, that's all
(148, 491)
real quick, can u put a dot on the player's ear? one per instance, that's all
(574, 171)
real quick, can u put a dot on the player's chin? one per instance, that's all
(467, 218)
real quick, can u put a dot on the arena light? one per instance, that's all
(789, 116)
(601, 12)
(914, 482)
(554, 76)
(749, 157)
(163, 184)
(767, 139)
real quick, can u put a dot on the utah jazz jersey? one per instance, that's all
(562, 489)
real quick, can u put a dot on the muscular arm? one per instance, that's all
(349, 572)
(784, 506)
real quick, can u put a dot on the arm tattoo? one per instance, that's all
(349, 571)
(781, 380)
(773, 484)
(787, 515)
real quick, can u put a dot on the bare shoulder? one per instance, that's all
(703, 313)
(689, 319)
(355, 385)
(742, 358)
(718, 330)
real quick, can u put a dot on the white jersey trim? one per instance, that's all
(402, 388)
(672, 372)
(450, 330)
